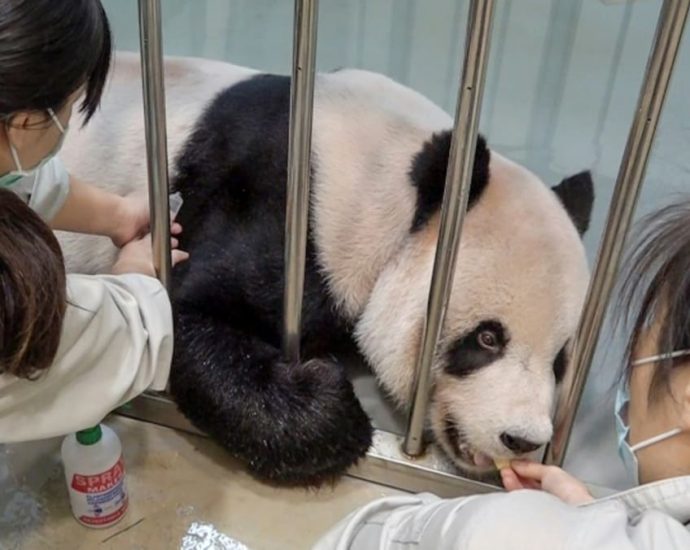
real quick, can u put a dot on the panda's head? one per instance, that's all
(520, 282)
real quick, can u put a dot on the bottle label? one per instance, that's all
(100, 499)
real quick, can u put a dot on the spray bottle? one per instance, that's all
(95, 475)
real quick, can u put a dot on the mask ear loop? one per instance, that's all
(56, 121)
(670, 433)
(13, 150)
(661, 357)
(656, 439)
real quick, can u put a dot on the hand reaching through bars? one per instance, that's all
(524, 474)
(137, 256)
(133, 219)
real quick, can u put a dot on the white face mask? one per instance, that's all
(20, 172)
(626, 451)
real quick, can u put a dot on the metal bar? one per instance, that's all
(668, 35)
(297, 206)
(455, 196)
(156, 138)
(384, 463)
(158, 409)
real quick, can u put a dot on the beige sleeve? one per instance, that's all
(117, 341)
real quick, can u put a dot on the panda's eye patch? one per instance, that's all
(560, 363)
(479, 347)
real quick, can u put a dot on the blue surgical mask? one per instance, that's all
(627, 451)
(20, 172)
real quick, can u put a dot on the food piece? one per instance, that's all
(502, 463)
(175, 201)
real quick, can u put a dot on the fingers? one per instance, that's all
(175, 229)
(174, 243)
(552, 479)
(510, 480)
(513, 482)
(530, 470)
(179, 256)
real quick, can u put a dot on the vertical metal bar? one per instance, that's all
(297, 207)
(150, 35)
(455, 196)
(667, 38)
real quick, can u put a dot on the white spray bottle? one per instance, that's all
(95, 475)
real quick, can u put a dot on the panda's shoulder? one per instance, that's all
(245, 119)
(255, 98)
(343, 87)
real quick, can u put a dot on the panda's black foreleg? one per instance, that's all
(295, 424)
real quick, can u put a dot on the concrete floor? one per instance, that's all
(183, 492)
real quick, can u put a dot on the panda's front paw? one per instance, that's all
(323, 430)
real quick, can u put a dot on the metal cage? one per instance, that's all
(392, 460)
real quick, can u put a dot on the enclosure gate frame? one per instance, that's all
(392, 460)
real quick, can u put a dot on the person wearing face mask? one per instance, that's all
(72, 347)
(53, 56)
(545, 508)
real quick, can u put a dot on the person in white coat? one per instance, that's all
(546, 508)
(72, 348)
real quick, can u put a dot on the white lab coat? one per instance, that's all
(117, 341)
(650, 517)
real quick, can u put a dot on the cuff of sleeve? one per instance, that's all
(159, 321)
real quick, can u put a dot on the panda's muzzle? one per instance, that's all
(462, 450)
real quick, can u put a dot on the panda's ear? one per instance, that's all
(576, 193)
(428, 175)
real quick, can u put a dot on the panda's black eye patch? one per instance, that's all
(477, 348)
(559, 364)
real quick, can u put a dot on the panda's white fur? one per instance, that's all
(111, 151)
(521, 259)
(355, 112)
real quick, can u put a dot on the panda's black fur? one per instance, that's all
(428, 175)
(291, 423)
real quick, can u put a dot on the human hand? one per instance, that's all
(133, 220)
(524, 474)
(137, 257)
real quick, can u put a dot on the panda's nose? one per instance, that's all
(518, 444)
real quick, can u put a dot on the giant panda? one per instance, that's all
(378, 168)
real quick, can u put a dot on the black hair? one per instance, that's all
(48, 49)
(655, 293)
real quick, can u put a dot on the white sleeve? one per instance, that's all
(46, 190)
(117, 341)
(519, 520)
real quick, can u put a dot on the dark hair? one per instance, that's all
(48, 49)
(32, 290)
(656, 288)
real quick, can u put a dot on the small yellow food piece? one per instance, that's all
(502, 463)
